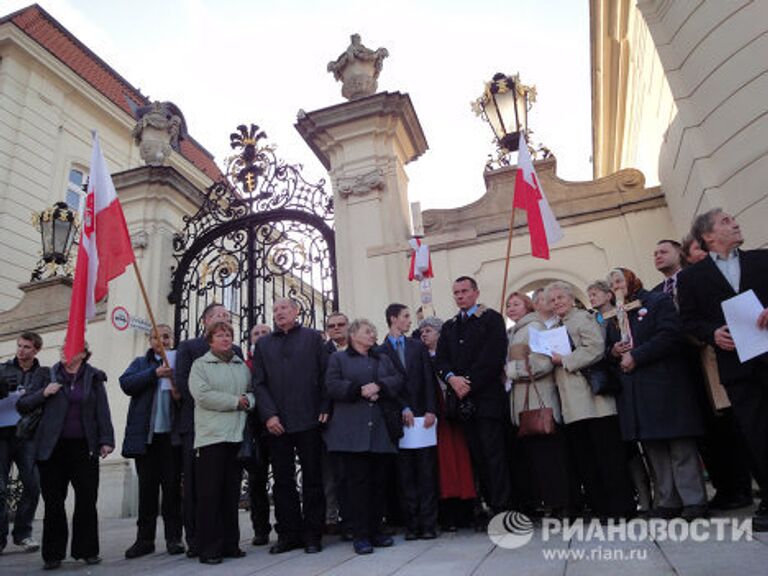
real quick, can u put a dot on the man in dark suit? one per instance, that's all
(288, 381)
(470, 358)
(416, 467)
(336, 327)
(702, 288)
(184, 423)
(337, 332)
(668, 259)
(722, 447)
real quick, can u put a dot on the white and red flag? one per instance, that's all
(105, 250)
(421, 261)
(542, 224)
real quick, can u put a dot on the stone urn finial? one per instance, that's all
(358, 69)
(159, 128)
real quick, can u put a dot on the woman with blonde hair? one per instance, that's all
(540, 466)
(363, 386)
(591, 420)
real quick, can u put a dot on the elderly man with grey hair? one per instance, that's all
(288, 376)
(702, 287)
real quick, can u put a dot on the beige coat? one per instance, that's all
(542, 369)
(576, 398)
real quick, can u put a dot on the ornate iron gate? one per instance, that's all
(261, 233)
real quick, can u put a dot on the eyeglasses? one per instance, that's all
(339, 325)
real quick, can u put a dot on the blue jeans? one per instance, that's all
(22, 453)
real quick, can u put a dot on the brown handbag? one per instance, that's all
(537, 421)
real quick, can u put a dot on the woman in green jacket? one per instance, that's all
(219, 382)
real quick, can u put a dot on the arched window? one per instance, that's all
(75, 195)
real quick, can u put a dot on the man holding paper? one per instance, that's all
(417, 466)
(702, 289)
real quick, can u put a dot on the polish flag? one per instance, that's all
(105, 250)
(542, 224)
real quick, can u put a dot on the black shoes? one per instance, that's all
(260, 539)
(362, 546)
(691, 513)
(725, 502)
(412, 535)
(236, 553)
(313, 547)
(92, 560)
(52, 565)
(174, 547)
(140, 548)
(282, 546)
(428, 535)
(211, 560)
(382, 541)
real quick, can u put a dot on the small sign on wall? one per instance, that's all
(122, 320)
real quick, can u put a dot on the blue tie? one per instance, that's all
(401, 350)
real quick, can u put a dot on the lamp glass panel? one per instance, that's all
(61, 236)
(46, 233)
(506, 105)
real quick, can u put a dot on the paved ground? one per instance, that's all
(463, 553)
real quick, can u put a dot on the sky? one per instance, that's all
(228, 62)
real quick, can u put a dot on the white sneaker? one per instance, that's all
(30, 544)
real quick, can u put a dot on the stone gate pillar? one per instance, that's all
(364, 144)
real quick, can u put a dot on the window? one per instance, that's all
(75, 193)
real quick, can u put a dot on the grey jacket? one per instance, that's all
(97, 421)
(357, 425)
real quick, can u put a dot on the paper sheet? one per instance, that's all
(8, 414)
(165, 383)
(549, 341)
(741, 314)
(417, 436)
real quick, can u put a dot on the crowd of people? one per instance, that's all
(649, 397)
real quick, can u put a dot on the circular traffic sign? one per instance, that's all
(120, 318)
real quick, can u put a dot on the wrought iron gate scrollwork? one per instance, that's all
(260, 233)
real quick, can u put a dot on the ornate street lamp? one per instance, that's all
(504, 105)
(58, 226)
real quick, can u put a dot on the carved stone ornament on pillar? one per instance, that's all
(159, 128)
(361, 185)
(358, 69)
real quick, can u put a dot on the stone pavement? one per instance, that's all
(462, 553)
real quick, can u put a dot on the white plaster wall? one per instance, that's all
(715, 58)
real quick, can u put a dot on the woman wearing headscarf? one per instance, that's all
(657, 405)
(591, 423)
(541, 462)
(75, 429)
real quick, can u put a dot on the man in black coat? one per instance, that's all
(288, 381)
(148, 441)
(416, 467)
(15, 377)
(722, 447)
(470, 358)
(701, 289)
(337, 332)
(184, 422)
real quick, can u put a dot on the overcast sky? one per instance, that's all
(227, 62)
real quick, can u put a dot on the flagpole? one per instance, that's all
(506, 261)
(163, 355)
